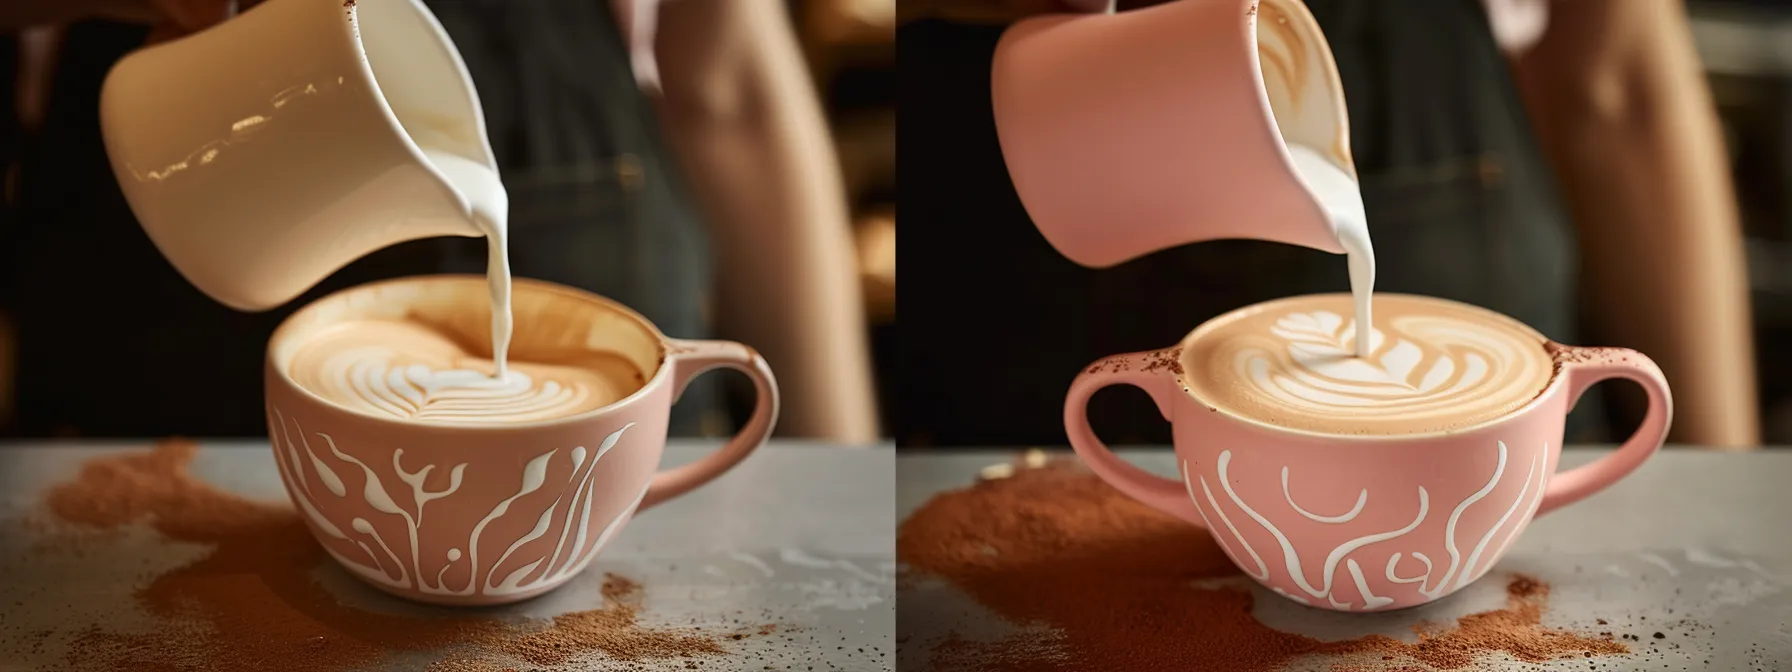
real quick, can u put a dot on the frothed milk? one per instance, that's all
(491, 208)
(1433, 365)
(1342, 199)
(415, 350)
(418, 370)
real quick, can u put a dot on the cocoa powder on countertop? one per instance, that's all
(251, 602)
(1056, 547)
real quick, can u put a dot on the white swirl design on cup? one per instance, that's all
(369, 379)
(1423, 367)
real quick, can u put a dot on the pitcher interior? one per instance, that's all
(421, 77)
(1301, 81)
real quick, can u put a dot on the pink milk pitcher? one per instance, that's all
(1138, 131)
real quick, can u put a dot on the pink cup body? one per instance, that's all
(1359, 523)
(1139, 131)
(480, 515)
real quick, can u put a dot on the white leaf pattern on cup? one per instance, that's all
(1431, 584)
(552, 566)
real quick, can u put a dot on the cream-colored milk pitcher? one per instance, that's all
(265, 153)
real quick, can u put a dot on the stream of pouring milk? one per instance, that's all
(1341, 197)
(490, 206)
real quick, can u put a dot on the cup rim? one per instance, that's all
(661, 342)
(1542, 396)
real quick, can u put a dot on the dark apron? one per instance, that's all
(595, 204)
(1460, 203)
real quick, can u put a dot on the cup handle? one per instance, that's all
(1586, 367)
(1148, 371)
(690, 359)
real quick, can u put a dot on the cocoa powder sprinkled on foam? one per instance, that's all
(1112, 582)
(251, 603)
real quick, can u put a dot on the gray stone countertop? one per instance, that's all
(1692, 534)
(800, 533)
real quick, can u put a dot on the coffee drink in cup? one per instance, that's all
(1366, 483)
(426, 476)
(1432, 365)
(414, 370)
(428, 358)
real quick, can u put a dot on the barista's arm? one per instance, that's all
(739, 105)
(174, 16)
(1624, 113)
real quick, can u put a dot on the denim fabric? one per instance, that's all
(596, 204)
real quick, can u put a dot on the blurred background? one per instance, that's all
(746, 194)
(1746, 51)
(851, 48)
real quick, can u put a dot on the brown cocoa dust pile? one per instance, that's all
(251, 602)
(1112, 582)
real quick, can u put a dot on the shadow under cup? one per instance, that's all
(1366, 522)
(491, 513)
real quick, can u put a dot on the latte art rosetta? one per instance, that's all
(418, 372)
(1428, 370)
(1316, 372)
(372, 378)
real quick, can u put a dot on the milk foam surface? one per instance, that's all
(1433, 365)
(412, 371)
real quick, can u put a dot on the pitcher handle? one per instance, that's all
(1585, 367)
(1148, 371)
(690, 359)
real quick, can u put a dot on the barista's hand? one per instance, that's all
(992, 11)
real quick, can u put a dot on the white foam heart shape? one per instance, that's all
(370, 377)
(1431, 362)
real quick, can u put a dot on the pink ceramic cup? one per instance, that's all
(491, 514)
(1366, 523)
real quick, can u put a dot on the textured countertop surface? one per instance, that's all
(801, 535)
(1693, 536)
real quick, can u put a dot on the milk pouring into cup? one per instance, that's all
(1342, 459)
(265, 153)
(1342, 199)
(490, 210)
(1130, 133)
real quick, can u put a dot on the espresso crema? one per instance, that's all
(415, 371)
(1433, 365)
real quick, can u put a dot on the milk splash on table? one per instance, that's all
(1341, 197)
(490, 206)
